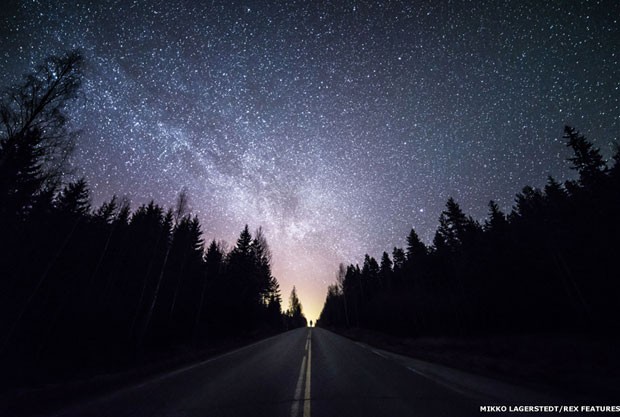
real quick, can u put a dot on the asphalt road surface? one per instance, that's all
(301, 373)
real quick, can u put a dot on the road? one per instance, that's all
(302, 373)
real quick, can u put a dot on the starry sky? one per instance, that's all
(335, 125)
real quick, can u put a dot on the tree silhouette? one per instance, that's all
(587, 159)
(74, 199)
(497, 221)
(385, 270)
(550, 265)
(21, 175)
(86, 291)
(295, 316)
(35, 108)
(415, 248)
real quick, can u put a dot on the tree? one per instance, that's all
(370, 268)
(248, 281)
(153, 230)
(385, 269)
(399, 257)
(587, 159)
(211, 313)
(455, 228)
(615, 169)
(353, 291)
(529, 203)
(37, 105)
(34, 144)
(111, 276)
(244, 243)
(294, 305)
(415, 248)
(497, 219)
(108, 210)
(331, 315)
(74, 199)
(340, 278)
(295, 314)
(186, 272)
(266, 283)
(370, 277)
(21, 175)
(186, 238)
(549, 266)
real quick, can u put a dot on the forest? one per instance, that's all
(87, 287)
(548, 266)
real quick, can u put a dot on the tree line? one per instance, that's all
(549, 265)
(109, 284)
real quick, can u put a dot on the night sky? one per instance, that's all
(337, 126)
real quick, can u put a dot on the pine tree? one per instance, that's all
(262, 255)
(21, 175)
(399, 257)
(454, 227)
(529, 203)
(210, 309)
(274, 305)
(497, 219)
(416, 250)
(340, 280)
(386, 265)
(615, 169)
(74, 199)
(587, 159)
(151, 232)
(370, 268)
(166, 232)
(244, 243)
(108, 210)
(244, 283)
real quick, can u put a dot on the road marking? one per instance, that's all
(439, 381)
(308, 379)
(379, 353)
(296, 398)
(303, 383)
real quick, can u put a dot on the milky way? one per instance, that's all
(337, 126)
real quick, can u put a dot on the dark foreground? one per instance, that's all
(304, 372)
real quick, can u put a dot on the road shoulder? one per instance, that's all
(555, 367)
